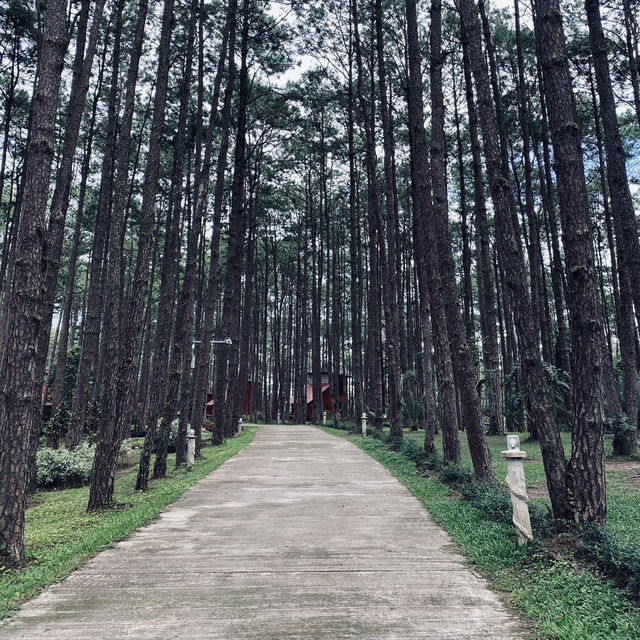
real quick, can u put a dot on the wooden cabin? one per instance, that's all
(327, 405)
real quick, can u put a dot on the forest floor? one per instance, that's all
(61, 536)
(301, 535)
(564, 596)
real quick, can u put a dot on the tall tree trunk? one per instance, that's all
(354, 255)
(585, 476)
(53, 241)
(625, 224)
(426, 256)
(95, 297)
(462, 358)
(227, 363)
(21, 385)
(120, 359)
(486, 281)
(388, 256)
(514, 273)
(536, 264)
(73, 257)
(203, 354)
(183, 317)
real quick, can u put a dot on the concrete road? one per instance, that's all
(301, 535)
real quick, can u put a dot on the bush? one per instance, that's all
(620, 562)
(456, 475)
(416, 453)
(64, 468)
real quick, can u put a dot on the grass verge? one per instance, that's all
(60, 535)
(563, 599)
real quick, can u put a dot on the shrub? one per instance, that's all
(413, 409)
(64, 468)
(417, 454)
(456, 475)
(620, 562)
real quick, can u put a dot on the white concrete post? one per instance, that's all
(364, 425)
(518, 488)
(240, 426)
(324, 417)
(191, 449)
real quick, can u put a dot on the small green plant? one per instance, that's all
(456, 475)
(622, 427)
(413, 410)
(620, 562)
(64, 468)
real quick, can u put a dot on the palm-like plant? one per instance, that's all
(413, 410)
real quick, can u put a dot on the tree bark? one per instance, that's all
(425, 252)
(203, 354)
(22, 380)
(625, 225)
(514, 273)
(586, 480)
(95, 297)
(486, 281)
(461, 355)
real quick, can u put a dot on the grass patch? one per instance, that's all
(563, 599)
(60, 535)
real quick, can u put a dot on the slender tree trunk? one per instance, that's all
(514, 273)
(462, 359)
(536, 264)
(228, 362)
(73, 257)
(203, 354)
(20, 399)
(119, 376)
(354, 254)
(52, 246)
(586, 469)
(93, 317)
(486, 281)
(388, 253)
(625, 224)
(426, 256)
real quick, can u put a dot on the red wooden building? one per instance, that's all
(327, 405)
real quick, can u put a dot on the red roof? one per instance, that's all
(310, 392)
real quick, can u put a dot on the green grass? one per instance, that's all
(60, 535)
(623, 502)
(563, 600)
